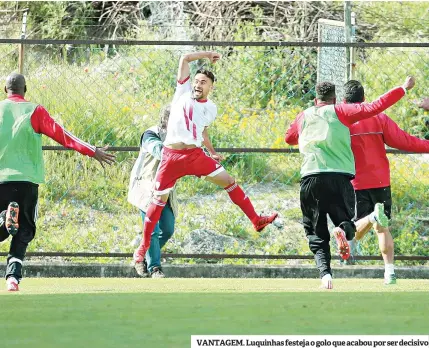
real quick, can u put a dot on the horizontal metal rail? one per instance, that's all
(212, 43)
(219, 149)
(211, 256)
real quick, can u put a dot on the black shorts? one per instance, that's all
(26, 195)
(327, 194)
(366, 200)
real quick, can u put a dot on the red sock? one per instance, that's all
(239, 197)
(153, 215)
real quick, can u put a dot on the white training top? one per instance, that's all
(188, 116)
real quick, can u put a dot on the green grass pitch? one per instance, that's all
(165, 313)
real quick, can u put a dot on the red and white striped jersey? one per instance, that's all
(188, 116)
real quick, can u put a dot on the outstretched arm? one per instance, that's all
(104, 157)
(43, 123)
(399, 139)
(208, 144)
(352, 113)
(183, 72)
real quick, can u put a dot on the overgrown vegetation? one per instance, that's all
(205, 20)
(111, 98)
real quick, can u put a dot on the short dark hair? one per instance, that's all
(325, 91)
(208, 73)
(15, 83)
(354, 92)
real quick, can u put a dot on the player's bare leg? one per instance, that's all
(385, 242)
(363, 226)
(376, 218)
(227, 182)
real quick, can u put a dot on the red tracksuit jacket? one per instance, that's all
(368, 139)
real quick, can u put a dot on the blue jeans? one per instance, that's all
(162, 232)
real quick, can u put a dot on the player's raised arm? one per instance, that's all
(185, 59)
(352, 113)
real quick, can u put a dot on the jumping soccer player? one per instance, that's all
(372, 180)
(22, 169)
(323, 135)
(191, 113)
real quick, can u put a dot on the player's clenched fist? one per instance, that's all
(214, 57)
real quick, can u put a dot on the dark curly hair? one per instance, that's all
(208, 73)
(354, 92)
(325, 91)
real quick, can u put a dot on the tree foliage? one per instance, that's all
(213, 20)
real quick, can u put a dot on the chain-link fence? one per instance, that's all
(108, 94)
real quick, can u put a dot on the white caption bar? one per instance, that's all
(309, 341)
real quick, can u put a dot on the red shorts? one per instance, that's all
(178, 163)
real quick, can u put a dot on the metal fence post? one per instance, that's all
(348, 32)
